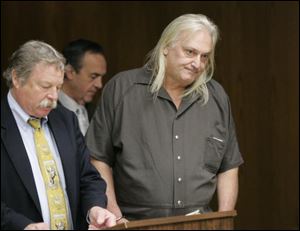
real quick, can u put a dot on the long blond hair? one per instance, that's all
(156, 59)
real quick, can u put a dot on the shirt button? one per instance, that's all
(179, 179)
(176, 137)
(178, 157)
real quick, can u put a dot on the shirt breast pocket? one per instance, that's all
(214, 152)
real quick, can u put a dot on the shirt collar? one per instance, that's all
(145, 77)
(68, 102)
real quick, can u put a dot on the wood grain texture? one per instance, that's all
(208, 221)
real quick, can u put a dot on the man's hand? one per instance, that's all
(101, 218)
(122, 220)
(37, 226)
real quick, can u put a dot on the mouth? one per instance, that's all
(192, 71)
(45, 111)
(92, 92)
(46, 108)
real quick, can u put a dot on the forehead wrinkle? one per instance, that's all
(187, 41)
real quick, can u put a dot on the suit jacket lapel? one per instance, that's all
(12, 141)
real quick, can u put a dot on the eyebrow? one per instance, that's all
(207, 53)
(196, 50)
(97, 74)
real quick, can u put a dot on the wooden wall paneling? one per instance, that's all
(256, 62)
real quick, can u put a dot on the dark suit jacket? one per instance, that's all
(19, 199)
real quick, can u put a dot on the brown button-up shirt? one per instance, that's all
(162, 158)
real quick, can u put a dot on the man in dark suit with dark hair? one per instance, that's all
(84, 72)
(47, 181)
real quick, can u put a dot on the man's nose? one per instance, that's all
(98, 82)
(196, 64)
(53, 94)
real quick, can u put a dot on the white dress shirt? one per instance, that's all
(79, 110)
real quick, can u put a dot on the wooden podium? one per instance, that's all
(214, 220)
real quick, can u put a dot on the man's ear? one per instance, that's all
(69, 72)
(15, 80)
(165, 51)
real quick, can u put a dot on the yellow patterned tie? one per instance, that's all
(55, 194)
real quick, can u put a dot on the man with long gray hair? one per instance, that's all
(47, 180)
(163, 136)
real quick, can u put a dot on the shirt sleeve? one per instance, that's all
(98, 137)
(232, 156)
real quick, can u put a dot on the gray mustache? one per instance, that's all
(46, 103)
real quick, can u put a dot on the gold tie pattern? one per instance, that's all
(55, 194)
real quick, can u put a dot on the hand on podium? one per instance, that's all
(121, 220)
(99, 218)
